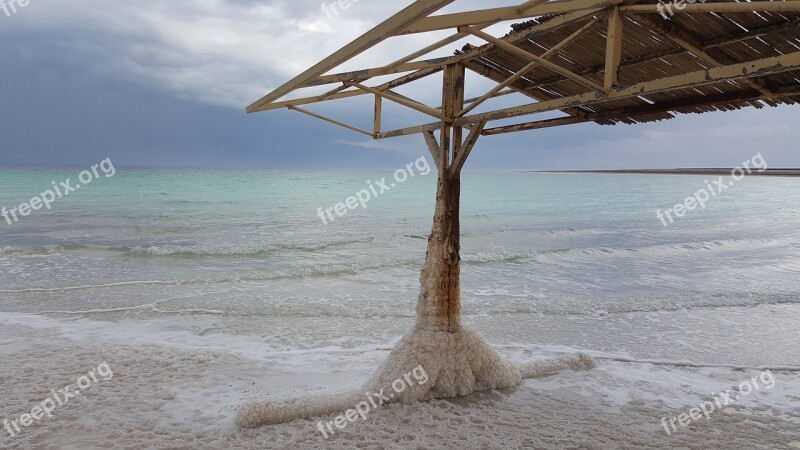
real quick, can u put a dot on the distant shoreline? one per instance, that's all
(709, 171)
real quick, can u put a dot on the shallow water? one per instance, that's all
(247, 243)
(206, 289)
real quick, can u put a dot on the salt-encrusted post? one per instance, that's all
(439, 303)
(457, 360)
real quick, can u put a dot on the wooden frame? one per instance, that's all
(452, 116)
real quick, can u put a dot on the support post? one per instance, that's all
(439, 303)
(378, 114)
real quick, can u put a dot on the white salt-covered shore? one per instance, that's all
(178, 382)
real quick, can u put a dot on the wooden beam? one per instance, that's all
(400, 100)
(362, 75)
(499, 43)
(753, 33)
(495, 90)
(661, 107)
(613, 49)
(433, 47)
(378, 114)
(354, 93)
(410, 130)
(761, 67)
(499, 94)
(433, 146)
(472, 139)
(527, 34)
(335, 122)
(529, 4)
(464, 19)
(452, 101)
(722, 7)
(694, 45)
(756, 32)
(518, 87)
(510, 80)
(459, 77)
(411, 14)
(335, 91)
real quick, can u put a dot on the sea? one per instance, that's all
(203, 290)
(235, 253)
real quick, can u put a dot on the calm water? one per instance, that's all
(247, 246)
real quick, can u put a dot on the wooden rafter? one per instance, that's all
(405, 79)
(712, 101)
(766, 66)
(733, 72)
(613, 49)
(664, 54)
(468, 145)
(693, 45)
(499, 43)
(753, 33)
(400, 100)
(722, 7)
(465, 19)
(517, 86)
(401, 20)
(529, 33)
(520, 73)
(329, 120)
(433, 146)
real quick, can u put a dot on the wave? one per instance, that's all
(332, 270)
(89, 286)
(660, 251)
(13, 250)
(196, 251)
(664, 362)
(505, 303)
(181, 251)
(574, 232)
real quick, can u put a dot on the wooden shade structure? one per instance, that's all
(608, 62)
(602, 61)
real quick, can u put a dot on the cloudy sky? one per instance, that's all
(165, 83)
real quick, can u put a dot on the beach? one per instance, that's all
(203, 290)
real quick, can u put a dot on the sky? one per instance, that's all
(166, 83)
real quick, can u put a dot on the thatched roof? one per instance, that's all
(652, 49)
(606, 61)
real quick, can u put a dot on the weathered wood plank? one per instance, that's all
(400, 21)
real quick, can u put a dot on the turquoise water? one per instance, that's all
(208, 289)
(250, 243)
